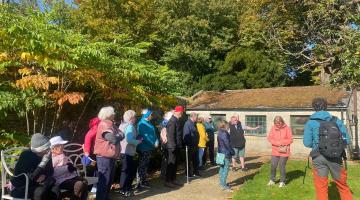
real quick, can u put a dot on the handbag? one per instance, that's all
(220, 158)
(283, 149)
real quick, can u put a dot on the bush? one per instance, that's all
(12, 139)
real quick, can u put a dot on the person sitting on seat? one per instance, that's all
(65, 172)
(36, 163)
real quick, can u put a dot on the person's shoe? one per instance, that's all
(244, 169)
(234, 169)
(202, 168)
(129, 194)
(169, 185)
(227, 188)
(271, 183)
(146, 185)
(93, 189)
(177, 183)
(121, 192)
(196, 176)
(281, 184)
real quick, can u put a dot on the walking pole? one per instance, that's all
(187, 165)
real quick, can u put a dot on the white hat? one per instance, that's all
(56, 141)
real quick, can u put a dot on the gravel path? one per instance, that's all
(206, 187)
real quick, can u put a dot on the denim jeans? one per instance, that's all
(106, 170)
(223, 172)
(201, 154)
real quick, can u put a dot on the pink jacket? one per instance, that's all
(91, 135)
(61, 172)
(280, 137)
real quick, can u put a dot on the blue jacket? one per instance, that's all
(311, 132)
(191, 135)
(210, 130)
(147, 131)
(224, 145)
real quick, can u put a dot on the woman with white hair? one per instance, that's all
(107, 150)
(128, 150)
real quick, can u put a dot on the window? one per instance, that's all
(216, 118)
(297, 123)
(254, 121)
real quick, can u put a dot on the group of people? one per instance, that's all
(49, 169)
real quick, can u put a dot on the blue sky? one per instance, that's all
(41, 5)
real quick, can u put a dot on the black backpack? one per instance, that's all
(331, 142)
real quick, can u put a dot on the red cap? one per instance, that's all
(179, 109)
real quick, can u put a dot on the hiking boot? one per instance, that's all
(129, 194)
(226, 188)
(281, 184)
(202, 168)
(143, 185)
(196, 176)
(169, 185)
(271, 183)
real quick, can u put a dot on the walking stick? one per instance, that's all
(187, 165)
(307, 166)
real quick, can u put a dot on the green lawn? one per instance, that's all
(257, 188)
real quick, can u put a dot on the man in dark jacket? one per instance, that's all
(36, 163)
(173, 145)
(238, 141)
(191, 140)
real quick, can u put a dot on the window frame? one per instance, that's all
(263, 126)
(298, 126)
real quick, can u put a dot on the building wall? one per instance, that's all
(258, 143)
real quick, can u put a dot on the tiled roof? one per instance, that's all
(281, 97)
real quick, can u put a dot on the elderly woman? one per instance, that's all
(128, 150)
(107, 150)
(280, 137)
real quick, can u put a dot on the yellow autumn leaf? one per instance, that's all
(25, 56)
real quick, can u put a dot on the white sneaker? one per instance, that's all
(282, 184)
(271, 183)
(93, 189)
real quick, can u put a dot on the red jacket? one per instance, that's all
(91, 135)
(280, 137)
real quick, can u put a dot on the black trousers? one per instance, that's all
(128, 172)
(209, 147)
(193, 155)
(37, 192)
(171, 168)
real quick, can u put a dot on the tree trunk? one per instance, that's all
(35, 121)
(82, 113)
(55, 120)
(27, 123)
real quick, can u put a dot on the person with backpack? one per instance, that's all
(191, 140)
(150, 141)
(327, 136)
(238, 141)
(280, 138)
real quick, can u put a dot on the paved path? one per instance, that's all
(206, 187)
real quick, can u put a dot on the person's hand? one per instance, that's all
(41, 178)
(157, 144)
(258, 127)
(45, 159)
(71, 168)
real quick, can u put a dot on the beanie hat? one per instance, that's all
(179, 109)
(39, 143)
(147, 113)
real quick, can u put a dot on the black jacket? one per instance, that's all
(224, 145)
(191, 135)
(237, 138)
(28, 163)
(174, 134)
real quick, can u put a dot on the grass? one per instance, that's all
(257, 188)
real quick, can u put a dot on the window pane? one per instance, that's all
(297, 123)
(216, 118)
(254, 121)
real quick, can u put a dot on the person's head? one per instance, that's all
(57, 145)
(279, 121)
(319, 104)
(208, 119)
(178, 111)
(147, 114)
(107, 113)
(40, 144)
(222, 124)
(193, 117)
(130, 117)
(200, 119)
(234, 119)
